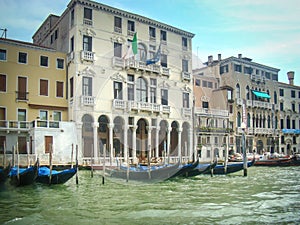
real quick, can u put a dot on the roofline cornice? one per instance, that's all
(26, 45)
(133, 16)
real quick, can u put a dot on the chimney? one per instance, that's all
(210, 59)
(239, 56)
(219, 57)
(290, 75)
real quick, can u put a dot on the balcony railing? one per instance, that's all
(257, 130)
(88, 100)
(22, 96)
(140, 106)
(211, 112)
(12, 125)
(140, 65)
(87, 56)
(186, 112)
(185, 75)
(87, 22)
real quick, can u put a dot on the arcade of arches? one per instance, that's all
(138, 141)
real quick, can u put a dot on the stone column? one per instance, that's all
(149, 128)
(134, 143)
(179, 130)
(168, 141)
(125, 130)
(95, 141)
(110, 144)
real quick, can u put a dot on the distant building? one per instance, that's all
(211, 115)
(289, 107)
(252, 98)
(122, 104)
(33, 104)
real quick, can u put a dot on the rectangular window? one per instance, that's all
(87, 86)
(22, 57)
(186, 100)
(71, 87)
(21, 114)
(275, 77)
(72, 17)
(197, 82)
(164, 60)
(118, 24)
(22, 145)
(209, 84)
(44, 61)
(163, 35)
(152, 32)
(204, 83)
(281, 106)
(247, 70)
(22, 88)
(224, 69)
(229, 95)
(237, 68)
(60, 63)
(118, 50)
(87, 43)
(56, 34)
(293, 107)
(205, 105)
(281, 92)
(72, 44)
(88, 14)
(184, 43)
(152, 90)
(48, 144)
(2, 83)
(56, 116)
(2, 55)
(293, 124)
(185, 65)
(2, 141)
(59, 89)
(293, 93)
(43, 87)
(118, 90)
(164, 97)
(130, 87)
(43, 115)
(268, 75)
(131, 26)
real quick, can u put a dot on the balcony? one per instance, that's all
(22, 96)
(186, 112)
(139, 65)
(186, 76)
(87, 56)
(87, 22)
(25, 126)
(211, 112)
(70, 57)
(87, 100)
(257, 130)
(140, 106)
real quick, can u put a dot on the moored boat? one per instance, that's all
(286, 161)
(201, 168)
(47, 176)
(4, 172)
(24, 176)
(230, 168)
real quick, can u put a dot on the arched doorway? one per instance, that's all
(87, 135)
(118, 137)
(259, 146)
(103, 134)
(163, 138)
(174, 138)
(142, 140)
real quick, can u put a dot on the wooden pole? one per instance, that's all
(4, 154)
(104, 156)
(244, 152)
(18, 159)
(72, 153)
(92, 169)
(76, 164)
(50, 163)
(27, 152)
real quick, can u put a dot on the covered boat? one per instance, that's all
(286, 161)
(4, 172)
(201, 168)
(24, 176)
(231, 168)
(47, 176)
(151, 174)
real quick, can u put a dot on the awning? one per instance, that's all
(261, 94)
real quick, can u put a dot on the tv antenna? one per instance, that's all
(3, 33)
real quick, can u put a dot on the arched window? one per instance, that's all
(141, 90)
(248, 120)
(238, 91)
(269, 122)
(288, 122)
(275, 97)
(248, 93)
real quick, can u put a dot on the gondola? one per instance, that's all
(231, 168)
(24, 176)
(151, 174)
(201, 168)
(56, 177)
(186, 169)
(4, 172)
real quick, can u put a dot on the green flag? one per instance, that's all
(134, 44)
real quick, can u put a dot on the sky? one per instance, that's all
(267, 31)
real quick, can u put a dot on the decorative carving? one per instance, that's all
(87, 31)
(87, 71)
(204, 98)
(164, 85)
(118, 77)
(118, 39)
(186, 88)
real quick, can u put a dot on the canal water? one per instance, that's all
(265, 196)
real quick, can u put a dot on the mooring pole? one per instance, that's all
(244, 148)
